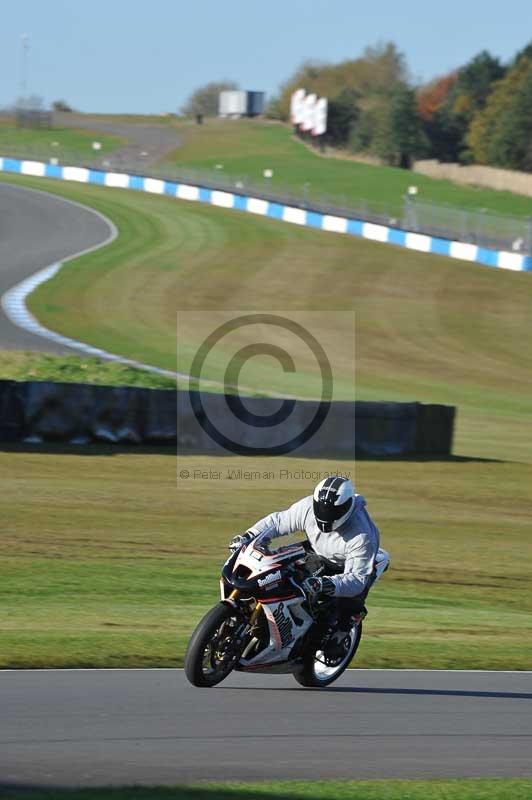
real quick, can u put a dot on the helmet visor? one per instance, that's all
(327, 514)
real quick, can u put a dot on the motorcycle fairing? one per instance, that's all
(288, 621)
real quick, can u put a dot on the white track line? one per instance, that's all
(15, 309)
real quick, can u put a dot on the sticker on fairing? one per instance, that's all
(274, 577)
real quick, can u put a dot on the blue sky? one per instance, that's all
(147, 57)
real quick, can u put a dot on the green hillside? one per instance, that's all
(427, 328)
(245, 148)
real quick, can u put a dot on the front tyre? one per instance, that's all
(214, 648)
(318, 670)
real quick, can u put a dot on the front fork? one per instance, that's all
(232, 600)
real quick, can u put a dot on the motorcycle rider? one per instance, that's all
(344, 542)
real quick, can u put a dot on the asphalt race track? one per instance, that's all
(100, 727)
(36, 230)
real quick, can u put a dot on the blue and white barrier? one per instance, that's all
(297, 216)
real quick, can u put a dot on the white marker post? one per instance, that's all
(308, 113)
(320, 121)
(297, 105)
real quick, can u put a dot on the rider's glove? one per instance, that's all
(319, 586)
(264, 540)
(238, 541)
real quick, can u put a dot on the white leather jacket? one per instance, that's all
(352, 547)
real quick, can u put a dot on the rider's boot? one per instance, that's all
(337, 640)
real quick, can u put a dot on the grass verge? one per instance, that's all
(477, 789)
(60, 143)
(428, 328)
(20, 365)
(104, 563)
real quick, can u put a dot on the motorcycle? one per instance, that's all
(267, 623)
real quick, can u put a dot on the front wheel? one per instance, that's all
(214, 648)
(319, 670)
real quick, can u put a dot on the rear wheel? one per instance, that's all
(320, 669)
(214, 647)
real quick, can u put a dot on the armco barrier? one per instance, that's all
(37, 411)
(297, 216)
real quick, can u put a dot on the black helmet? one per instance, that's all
(334, 498)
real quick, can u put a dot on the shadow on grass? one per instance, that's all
(109, 449)
(33, 792)
(454, 789)
(62, 449)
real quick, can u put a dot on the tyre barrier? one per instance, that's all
(43, 411)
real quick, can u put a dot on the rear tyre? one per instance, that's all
(317, 671)
(213, 649)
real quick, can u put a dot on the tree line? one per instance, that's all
(479, 113)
